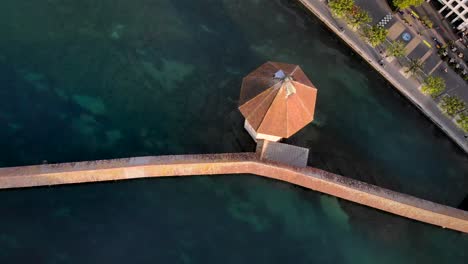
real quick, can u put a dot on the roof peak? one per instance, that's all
(285, 82)
(280, 74)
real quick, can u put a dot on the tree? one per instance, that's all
(433, 86)
(396, 49)
(402, 4)
(358, 16)
(375, 35)
(452, 105)
(341, 8)
(414, 66)
(462, 122)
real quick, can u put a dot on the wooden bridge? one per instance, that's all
(237, 163)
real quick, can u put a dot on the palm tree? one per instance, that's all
(414, 66)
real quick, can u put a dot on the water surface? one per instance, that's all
(83, 80)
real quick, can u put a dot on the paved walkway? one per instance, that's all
(408, 87)
(237, 163)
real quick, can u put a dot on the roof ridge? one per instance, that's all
(302, 103)
(269, 107)
(260, 103)
(300, 99)
(272, 64)
(295, 69)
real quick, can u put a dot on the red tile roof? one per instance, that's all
(265, 103)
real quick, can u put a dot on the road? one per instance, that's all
(408, 87)
(455, 84)
(377, 8)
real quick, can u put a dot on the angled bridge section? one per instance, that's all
(237, 163)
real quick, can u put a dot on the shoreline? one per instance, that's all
(236, 163)
(449, 129)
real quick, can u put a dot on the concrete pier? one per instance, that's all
(237, 163)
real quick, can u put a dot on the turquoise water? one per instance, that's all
(83, 80)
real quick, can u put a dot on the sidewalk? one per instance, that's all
(408, 87)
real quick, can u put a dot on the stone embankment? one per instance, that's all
(240, 163)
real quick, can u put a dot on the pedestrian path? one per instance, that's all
(395, 31)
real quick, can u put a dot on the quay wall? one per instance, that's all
(236, 163)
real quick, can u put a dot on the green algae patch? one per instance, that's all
(117, 31)
(91, 104)
(61, 93)
(113, 136)
(245, 212)
(14, 126)
(169, 74)
(333, 211)
(86, 125)
(263, 49)
(33, 76)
